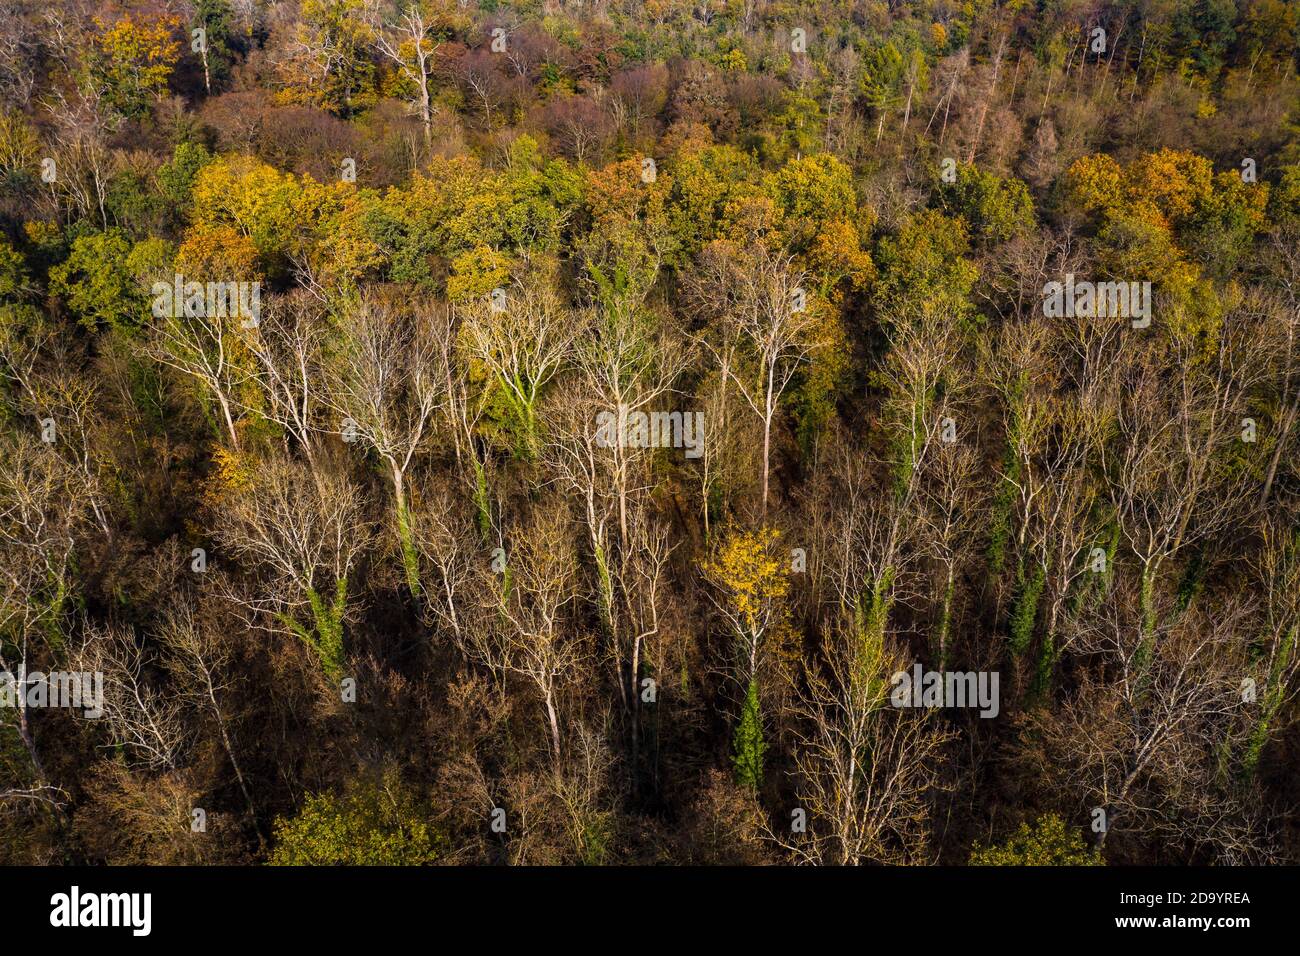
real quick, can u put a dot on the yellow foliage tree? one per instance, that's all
(752, 578)
(133, 59)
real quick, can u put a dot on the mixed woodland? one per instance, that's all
(365, 584)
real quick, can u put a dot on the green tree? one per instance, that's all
(213, 17)
(749, 571)
(176, 177)
(747, 742)
(994, 209)
(1048, 842)
(923, 269)
(331, 66)
(103, 279)
(374, 823)
(883, 76)
(133, 60)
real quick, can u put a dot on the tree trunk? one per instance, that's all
(1288, 422)
(554, 721)
(405, 539)
(230, 422)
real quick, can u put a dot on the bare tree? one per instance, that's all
(729, 442)
(40, 511)
(762, 304)
(406, 35)
(199, 660)
(387, 383)
(865, 772)
(211, 350)
(1169, 479)
(869, 537)
(40, 366)
(629, 363)
(141, 718)
(83, 124)
(446, 543)
(1146, 736)
(305, 535)
(864, 556)
(1054, 441)
(476, 71)
(953, 509)
(523, 344)
(1285, 268)
(531, 636)
(1277, 577)
(289, 346)
(20, 49)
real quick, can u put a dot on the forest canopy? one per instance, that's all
(682, 431)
